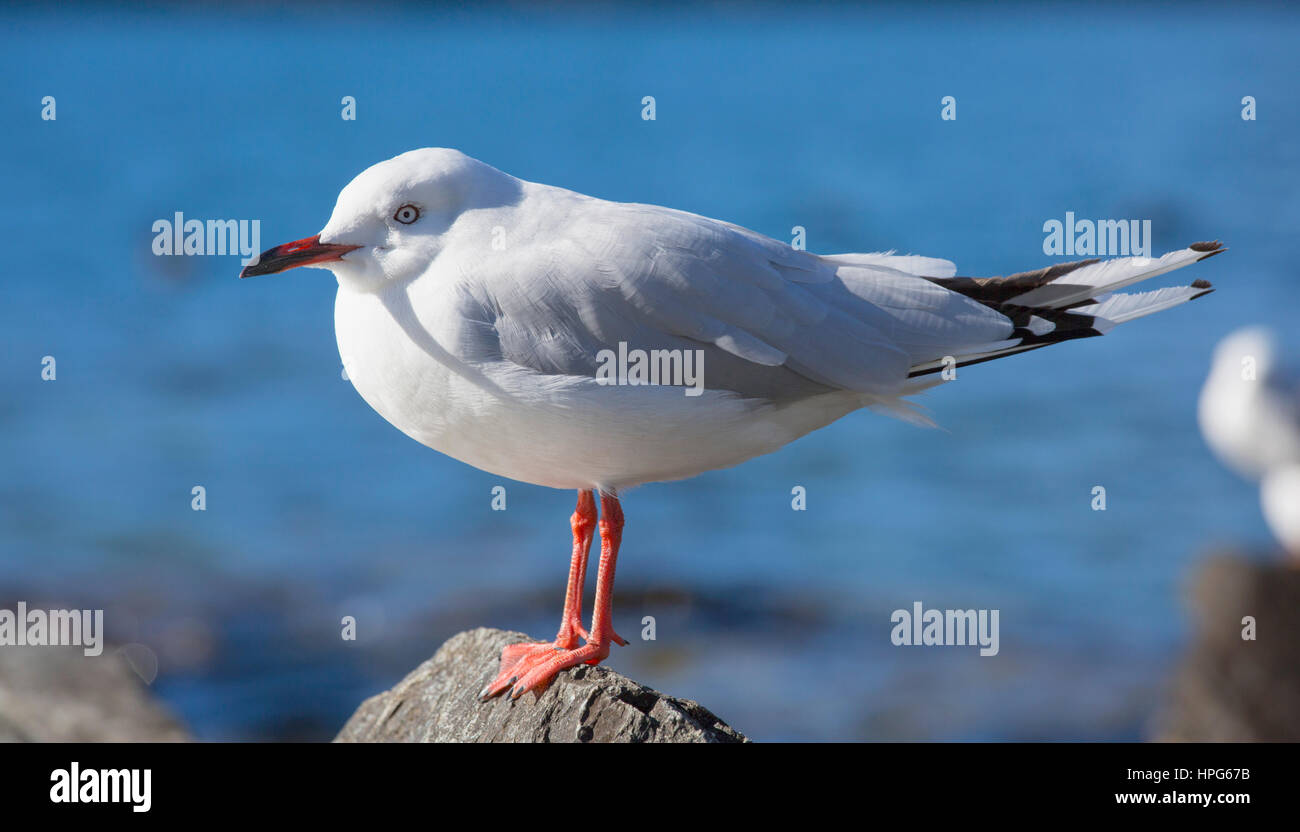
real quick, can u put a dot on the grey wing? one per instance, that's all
(772, 322)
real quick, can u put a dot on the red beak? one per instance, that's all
(303, 252)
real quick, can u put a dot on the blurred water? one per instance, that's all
(172, 373)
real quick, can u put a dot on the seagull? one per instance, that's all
(1249, 408)
(1279, 498)
(478, 314)
(1249, 411)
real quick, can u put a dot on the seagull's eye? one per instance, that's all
(407, 214)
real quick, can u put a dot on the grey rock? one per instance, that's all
(59, 694)
(1231, 689)
(438, 702)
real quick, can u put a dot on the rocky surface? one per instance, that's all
(1232, 689)
(438, 702)
(58, 694)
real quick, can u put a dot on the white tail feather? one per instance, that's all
(1107, 276)
(1114, 309)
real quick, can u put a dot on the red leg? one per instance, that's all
(532, 666)
(611, 537)
(583, 524)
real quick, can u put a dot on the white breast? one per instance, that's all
(555, 431)
(1249, 428)
(1280, 500)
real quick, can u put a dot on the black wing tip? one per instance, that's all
(1208, 249)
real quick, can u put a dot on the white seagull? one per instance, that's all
(1250, 417)
(1279, 498)
(478, 314)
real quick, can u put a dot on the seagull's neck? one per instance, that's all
(355, 280)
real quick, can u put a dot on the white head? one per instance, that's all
(388, 223)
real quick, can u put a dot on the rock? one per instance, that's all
(59, 694)
(1232, 689)
(438, 702)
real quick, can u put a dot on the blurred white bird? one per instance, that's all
(1249, 412)
(475, 312)
(1279, 497)
(1249, 408)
